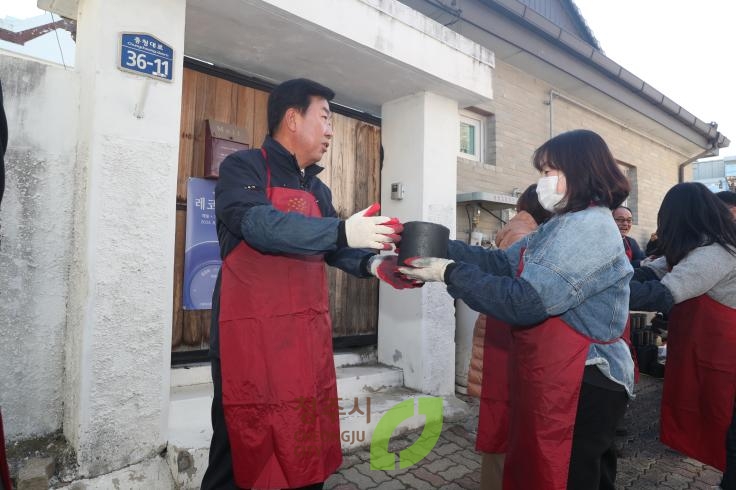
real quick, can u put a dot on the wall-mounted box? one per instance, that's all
(220, 140)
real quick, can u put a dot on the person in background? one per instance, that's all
(564, 289)
(484, 374)
(652, 249)
(271, 336)
(729, 199)
(624, 218)
(695, 283)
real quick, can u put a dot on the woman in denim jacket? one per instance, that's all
(565, 288)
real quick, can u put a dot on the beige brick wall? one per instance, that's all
(522, 112)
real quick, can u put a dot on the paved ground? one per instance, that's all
(644, 463)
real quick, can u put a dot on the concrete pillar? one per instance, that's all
(416, 328)
(118, 341)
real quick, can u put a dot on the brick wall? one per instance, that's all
(522, 119)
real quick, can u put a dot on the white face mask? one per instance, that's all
(547, 192)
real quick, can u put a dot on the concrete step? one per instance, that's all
(190, 431)
(367, 390)
(355, 357)
(200, 373)
(368, 378)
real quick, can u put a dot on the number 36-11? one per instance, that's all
(139, 60)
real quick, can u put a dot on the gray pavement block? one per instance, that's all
(412, 481)
(471, 459)
(347, 486)
(454, 473)
(439, 465)
(390, 485)
(378, 476)
(468, 483)
(357, 478)
(334, 481)
(35, 474)
(433, 479)
(644, 462)
(447, 449)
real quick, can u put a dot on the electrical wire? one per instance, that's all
(491, 213)
(58, 41)
(470, 223)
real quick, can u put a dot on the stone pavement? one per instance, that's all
(644, 463)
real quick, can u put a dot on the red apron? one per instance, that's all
(700, 379)
(278, 376)
(4, 473)
(531, 412)
(627, 338)
(627, 249)
(493, 417)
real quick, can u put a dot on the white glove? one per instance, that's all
(427, 269)
(369, 231)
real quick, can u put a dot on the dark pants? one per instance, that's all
(729, 476)
(219, 474)
(593, 457)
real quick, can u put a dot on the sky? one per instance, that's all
(680, 47)
(14, 15)
(686, 49)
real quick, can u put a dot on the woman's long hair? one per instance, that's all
(691, 216)
(591, 172)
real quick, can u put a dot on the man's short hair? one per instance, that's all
(296, 93)
(728, 198)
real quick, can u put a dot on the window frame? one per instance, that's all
(476, 121)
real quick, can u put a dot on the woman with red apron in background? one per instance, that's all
(695, 283)
(488, 373)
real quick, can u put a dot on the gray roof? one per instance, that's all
(583, 45)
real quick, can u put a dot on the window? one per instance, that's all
(477, 136)
(471, 130)
(632, 202)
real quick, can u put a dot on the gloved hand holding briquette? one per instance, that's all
(385, 267)
(426, 269)
(363, 230)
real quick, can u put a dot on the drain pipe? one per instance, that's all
(708, 152)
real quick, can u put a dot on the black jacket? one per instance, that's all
(636, 253)
(244, 213)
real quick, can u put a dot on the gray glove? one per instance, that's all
(426, 269)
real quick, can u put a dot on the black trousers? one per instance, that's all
(593, 457)
(729, 476)
(219, 474)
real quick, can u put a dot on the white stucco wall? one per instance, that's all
(118, 347)
(416, 328)
(41, 103)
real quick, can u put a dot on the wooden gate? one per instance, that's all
(352, 170)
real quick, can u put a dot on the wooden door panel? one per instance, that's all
(352, 170)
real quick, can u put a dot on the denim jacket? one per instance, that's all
(574, 267)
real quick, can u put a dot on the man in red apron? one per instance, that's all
(275, 408)
(624, 219)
